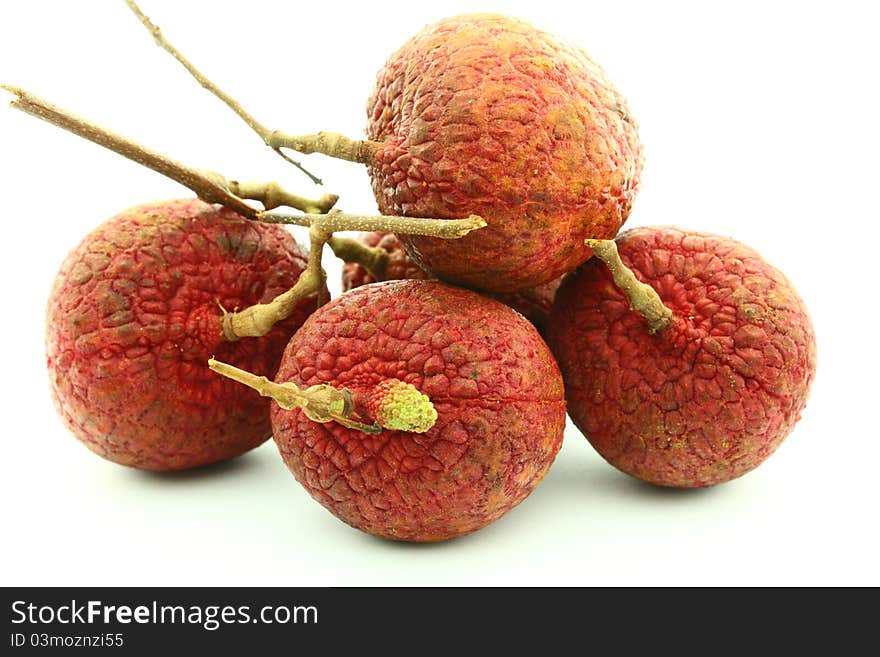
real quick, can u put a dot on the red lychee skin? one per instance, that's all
(533, 303)
(709, 398)
(493, 382)
(133, 317)
(485, 114)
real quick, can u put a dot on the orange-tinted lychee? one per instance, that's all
(485, 114)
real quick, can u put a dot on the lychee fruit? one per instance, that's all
(484, 114)
(133, 316)
(533, 303)
(704, 382)
(493, 384)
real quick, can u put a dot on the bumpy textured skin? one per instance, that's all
(492, 379)
(709, 398)
(533, 303)
(485, 114)
(133, 317)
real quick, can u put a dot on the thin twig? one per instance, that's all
(207, 185)
(265, 134)
(443, 228)
(271, 195)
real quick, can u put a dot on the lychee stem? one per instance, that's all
(208, 185)
(643, 298)
(320, 403)
(372, 258)
(335, 221)
(331, 144)
(272, 196)
(327, 143)
(257, 320)
(268, 136)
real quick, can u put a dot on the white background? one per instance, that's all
(760, 121)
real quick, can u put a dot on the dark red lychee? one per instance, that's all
(494, 384)
(133, 316)
(533, 303)
(484, 114)
(710, 396)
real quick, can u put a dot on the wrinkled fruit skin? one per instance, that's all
(133, 317)
(709, 398)
(533, 303)
(484, 114)
(493, 382)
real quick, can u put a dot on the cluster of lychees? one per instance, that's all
(424, 402)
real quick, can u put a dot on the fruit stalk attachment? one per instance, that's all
(331, 144)
(320, 403)
(372, 258)
(395, 405)
(258, 320)
(327, 143)
(643, 299)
